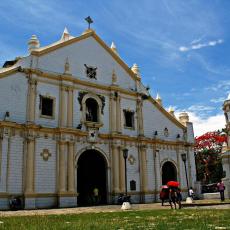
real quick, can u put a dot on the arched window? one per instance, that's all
(92, 110)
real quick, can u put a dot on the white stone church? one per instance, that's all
(67, 112)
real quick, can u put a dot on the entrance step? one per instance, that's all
(210, 196)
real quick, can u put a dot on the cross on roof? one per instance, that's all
(89, 20)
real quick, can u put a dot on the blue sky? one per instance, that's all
(181, 47)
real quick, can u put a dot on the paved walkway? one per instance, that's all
(111, 208)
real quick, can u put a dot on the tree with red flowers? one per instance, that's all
(208, 156)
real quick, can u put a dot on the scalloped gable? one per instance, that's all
(55, 46)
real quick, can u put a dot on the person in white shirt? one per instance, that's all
(191, 193)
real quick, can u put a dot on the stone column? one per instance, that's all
(118, 108)
(115, 158)
(32, 88)
(70, 108)
(113, 117)
(62, 182)
(70, 171)
(121, 170)
(29, 186)
(140, 116)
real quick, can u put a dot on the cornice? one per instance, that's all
(76, 132)
(9, 71)
(75, 80)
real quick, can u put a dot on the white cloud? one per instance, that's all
(183, 49)
(221, 85)
(218, 100)
(196, 45)
(199, 108)
(202, 125)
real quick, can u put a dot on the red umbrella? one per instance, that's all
(173, 184)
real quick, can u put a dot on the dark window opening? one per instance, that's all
(91, 110)
(133, 185)
(169, 172)
(129, 119)
(46, 106)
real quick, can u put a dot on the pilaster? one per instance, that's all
(29, 182)
(62, 181)
(70, 108)
(1, 156)
(156, 172)
(118, 115)
(31, 99)
(70, 169)
(143, 169)
(113, 117)
(121, 171)
(4, 160)
(62, 110)
(140, 116)
(115, 159)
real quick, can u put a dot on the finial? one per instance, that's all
(65, 35)
(114, 48)
(33, 43)
(158, 99)
(171, 110)
(136, 70)
(114, 77)
(67, 67)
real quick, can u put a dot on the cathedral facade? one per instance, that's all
(68, 113)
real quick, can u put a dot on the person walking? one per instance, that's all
(179, 197)
(96, 195)
(191, 193)
(221, 189)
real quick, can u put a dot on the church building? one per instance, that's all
(68, 113)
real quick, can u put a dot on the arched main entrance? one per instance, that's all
(91, 174)
(169, 172)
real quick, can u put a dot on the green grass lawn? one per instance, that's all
(155, 219)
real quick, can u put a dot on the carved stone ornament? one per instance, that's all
(45, 154)
(114, 77)
(92, 135)
(102, 102)
(80, 97)
(131, 159)
(91, 71)
(166, 132)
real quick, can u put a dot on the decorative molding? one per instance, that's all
(45, 154)
(80, 97)
(131, 159)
